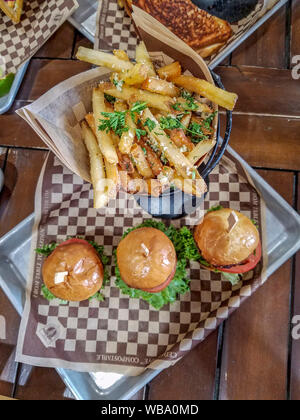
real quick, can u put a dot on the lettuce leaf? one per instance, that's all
(179, 285)
(186, 249)
(232, 277)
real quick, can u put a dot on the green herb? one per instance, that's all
(137, 108)
(255, 223)
(170, 123)
(115, 121)
(177, 107)
(139, 133)
(109, 98)
(215, 208)
(144, 150)
(150, 124)
(119, 84)
(186, 95)
(210, 119)
(197, 132)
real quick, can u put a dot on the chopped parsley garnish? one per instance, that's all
(140, 133)
(109, 98)
(150, 124)
(118, 83)
(137, 108)
(115, 121)
(170, 123)
(196, 130)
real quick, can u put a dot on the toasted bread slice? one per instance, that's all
(196, 27)
(12, 9)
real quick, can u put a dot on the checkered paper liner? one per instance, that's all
(122, 334)
(115, 29)
(40, 19)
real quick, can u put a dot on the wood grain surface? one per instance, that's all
(252, 355)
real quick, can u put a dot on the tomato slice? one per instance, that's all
(249, 264)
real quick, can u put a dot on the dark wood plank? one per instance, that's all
(5, 352)
(266, 47)
(17, 198)
(3, 151)
(14, 131)
(295, 371)
(266, 141)
(262, 90)
(43, 384)
(255, 351)
(192, 378)
(60, 45)
(295, 28)
(42, 75)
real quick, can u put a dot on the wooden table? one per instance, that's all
(252, 355)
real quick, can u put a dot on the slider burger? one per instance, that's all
(151, 263)
(147, 260)
(72, 271)
(229, 243)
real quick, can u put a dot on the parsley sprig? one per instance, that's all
(116, 121)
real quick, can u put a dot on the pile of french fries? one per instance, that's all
(150, 128)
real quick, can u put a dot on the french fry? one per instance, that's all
(188, 186)
(91, 123)
(181, 140)
(153, 100)
(112, 176)
(96, 167)
(154, 187)
(120, 106)
(125, 178)
(200, 150)
(127, 137)
(186, 119)
(104, 139)
(103, 59)
(153, 160)
(121, 54)
(155, 85)
(182, 165)
(142, 56)
(166, 176)
(140, 161)
(208, 90)
(136, 75)
(125, 163)
(170, 72)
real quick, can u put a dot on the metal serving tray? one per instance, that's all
(84, 19)
(282, 243)
(7, 100)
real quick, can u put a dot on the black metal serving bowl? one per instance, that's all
(230, 10)
(174, 203)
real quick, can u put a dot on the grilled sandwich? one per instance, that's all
(12, 9)
(203, 32)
